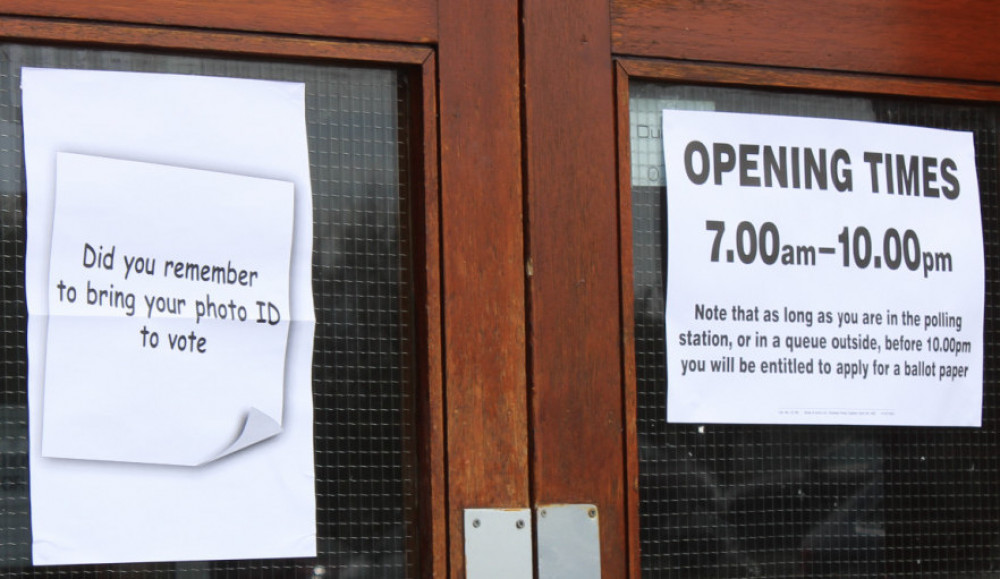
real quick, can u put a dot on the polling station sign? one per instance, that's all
(170, 318)
(821, 272)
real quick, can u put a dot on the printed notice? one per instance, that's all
(822, 272)
(166, 338)
(170, 318)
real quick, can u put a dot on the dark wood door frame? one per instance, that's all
(523, 243)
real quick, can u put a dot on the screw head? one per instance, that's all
(476, 523)
(592, 513)
(520, 524)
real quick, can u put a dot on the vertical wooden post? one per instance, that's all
(575, 334)
(482, 261)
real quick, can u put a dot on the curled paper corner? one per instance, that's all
(257, 427)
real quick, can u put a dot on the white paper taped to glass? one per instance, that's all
(822, 272)
(169, 289)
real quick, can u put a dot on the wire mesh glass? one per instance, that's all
(808, 501)
(362, 360)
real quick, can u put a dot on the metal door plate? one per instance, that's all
(497, 543)
(569, 544)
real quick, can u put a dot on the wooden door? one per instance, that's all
(452, 424)
(705, 499)
(522, 297)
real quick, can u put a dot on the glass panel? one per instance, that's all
(362, 361)
(807, 501)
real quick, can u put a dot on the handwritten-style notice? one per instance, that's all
(168, 312)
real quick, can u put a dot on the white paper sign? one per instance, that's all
(168, 281)
(821, 272)
(166, 339)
